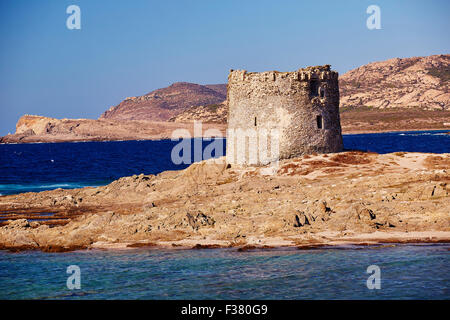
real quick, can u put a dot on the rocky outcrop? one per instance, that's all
(31, 128)
(349, 197)
(165, 103)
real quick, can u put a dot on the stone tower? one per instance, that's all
(301, 108)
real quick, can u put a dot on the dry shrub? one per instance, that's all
(230, 179)
(285, 169)
(437, 162)
(331, 170)
(317, 164)
(400, 154)
(378, 172)
(293, 169)
(251, 174)
(303, 172)
(353, 157)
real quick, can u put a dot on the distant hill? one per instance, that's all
(221, 88)
(419, 82)
(165, 103)
(396, 94)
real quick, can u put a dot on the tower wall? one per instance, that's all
(302, 106)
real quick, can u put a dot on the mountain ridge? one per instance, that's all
(398, 94)
(398, 83)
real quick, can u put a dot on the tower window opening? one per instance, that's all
(321, 92)
(314, 88)
(255, 121)
(319, 120)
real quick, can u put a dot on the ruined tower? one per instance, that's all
(300, 108)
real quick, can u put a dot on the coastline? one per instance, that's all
(365, 239)
(362, 240)
(331, 199)
(45, 139)
(350, 132)
(38, 129)
(337, 242)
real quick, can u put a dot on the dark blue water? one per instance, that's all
(411, 141)
(407, 272)
(44, 166)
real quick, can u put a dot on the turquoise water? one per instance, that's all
(407, 272)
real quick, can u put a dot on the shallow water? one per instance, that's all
(407, 272)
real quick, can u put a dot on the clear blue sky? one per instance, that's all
(128, 48)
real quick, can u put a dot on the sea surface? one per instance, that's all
(45, 166)
(407, 271)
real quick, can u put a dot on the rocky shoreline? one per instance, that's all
(37, 129)
(311, 201)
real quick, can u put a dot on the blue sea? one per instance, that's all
(45, 166)
(407, 271)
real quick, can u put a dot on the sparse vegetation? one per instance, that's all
(442, 73)
(212, 107)
(355, 84)
(356, 108)
(354, 157)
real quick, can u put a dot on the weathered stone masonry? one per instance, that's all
(302, 105)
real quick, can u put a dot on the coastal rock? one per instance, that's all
(370, 198)
(199, 220)
(32, 128)
(301, 220)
